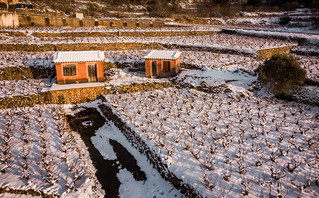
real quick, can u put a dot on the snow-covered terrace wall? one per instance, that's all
(79, 46)
(58, 21)
(267, 53)
(79, 95)
(9, 20)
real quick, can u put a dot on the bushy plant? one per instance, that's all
(284, 71)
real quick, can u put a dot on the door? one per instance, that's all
(92, 75)
(167, 66)
(154, 68)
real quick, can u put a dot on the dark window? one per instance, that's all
(69, 70)
(167, 65)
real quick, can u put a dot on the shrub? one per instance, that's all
(284, 71)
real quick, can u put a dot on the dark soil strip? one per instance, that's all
(128, 161)
(106, 169)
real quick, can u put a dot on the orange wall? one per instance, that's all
(175, 67)
(81, 71)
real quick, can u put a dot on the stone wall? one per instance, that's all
(88, 22)
(22, 73)
(55, 21)
(72, 22)
(126, 34)
(9, 20)
(75, 96)
(25, 20)
(36, 20)
(267, 53)
(79, 47)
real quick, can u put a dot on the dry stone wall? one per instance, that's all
(25, 20)
(79, 47)
(22, 73)
(74, 96)
(126, 34)
(9, 20)
(54, 21)
(267, 53)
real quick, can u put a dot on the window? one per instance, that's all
(167, 66)
(69, 70)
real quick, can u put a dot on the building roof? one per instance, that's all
(162, 54)
(78, 56)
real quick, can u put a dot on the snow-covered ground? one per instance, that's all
(154, 186)
(31, 30)
(23, 87)
(223, 41)
(26, 59)
(310, 38)
(120, 77)
(228, 144)
(39, 152)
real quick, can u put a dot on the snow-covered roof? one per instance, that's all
(162, 54)
(78, 56)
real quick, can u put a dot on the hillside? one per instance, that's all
(166, 8)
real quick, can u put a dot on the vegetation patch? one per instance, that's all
(283, 71)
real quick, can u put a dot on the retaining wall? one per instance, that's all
(126, 34)
(72, 22)
(25, 20)
(88, 22)
(22, 73)
(267, 53)
(9, 20)
(80, 95)
(79, 47)
(55, 21)
(104, 23)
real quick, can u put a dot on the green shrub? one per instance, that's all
(284, 71)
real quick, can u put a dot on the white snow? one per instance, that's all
(162, 54)
(43, 154)
(78, 56)
(154, 186)
(57, 87)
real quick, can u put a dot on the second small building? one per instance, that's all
(160, 63)
(79, 66)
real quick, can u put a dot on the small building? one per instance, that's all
(160, 63)
(79, 66)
